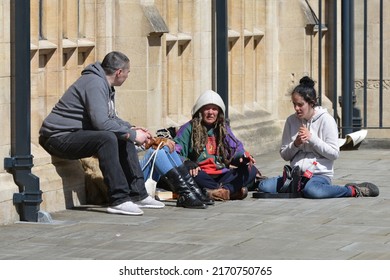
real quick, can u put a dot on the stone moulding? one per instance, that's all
(157, 23)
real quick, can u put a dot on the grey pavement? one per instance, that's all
(252, 229)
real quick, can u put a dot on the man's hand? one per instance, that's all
(142, 136)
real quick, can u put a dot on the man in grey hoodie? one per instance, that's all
(84, 123)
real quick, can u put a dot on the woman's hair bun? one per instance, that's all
(306, 81)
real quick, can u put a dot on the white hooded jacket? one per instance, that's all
(208, 97)
(322, 147)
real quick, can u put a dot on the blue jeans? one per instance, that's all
(118, 160)
(317, 187)
(165, 161)
(233, 180)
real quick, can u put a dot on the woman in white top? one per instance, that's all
(311, 134)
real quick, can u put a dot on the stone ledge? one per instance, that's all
(375, 143)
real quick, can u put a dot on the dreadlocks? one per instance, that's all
(199, 137)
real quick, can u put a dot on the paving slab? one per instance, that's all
(251, 229)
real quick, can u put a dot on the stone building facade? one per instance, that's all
(271, 45)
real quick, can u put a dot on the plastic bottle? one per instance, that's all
(309, 172)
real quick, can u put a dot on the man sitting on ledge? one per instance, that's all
(84, 123)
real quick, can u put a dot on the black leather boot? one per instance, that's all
(186, 198)
(193, 186)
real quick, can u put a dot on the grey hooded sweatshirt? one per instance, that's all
(88, 104)
(322, 147)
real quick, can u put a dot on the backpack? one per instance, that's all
(292, 185)
(291, 180)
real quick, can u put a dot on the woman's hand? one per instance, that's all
(194, 171)
(303, 136)
(170, 144)
(248, 159)
(192, 167)
(252, 160)
(155, 142)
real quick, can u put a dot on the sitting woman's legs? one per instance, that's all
(174, 157)
(270, 185)
(170, 167)
(244, 176)
(321, 187)
(163, 163)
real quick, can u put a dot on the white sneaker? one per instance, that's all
(149, 202)
(126, 208)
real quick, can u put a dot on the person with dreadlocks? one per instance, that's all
(215, 158)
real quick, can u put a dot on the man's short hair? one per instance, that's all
(113, 61)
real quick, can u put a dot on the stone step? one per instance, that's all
(257, 129)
